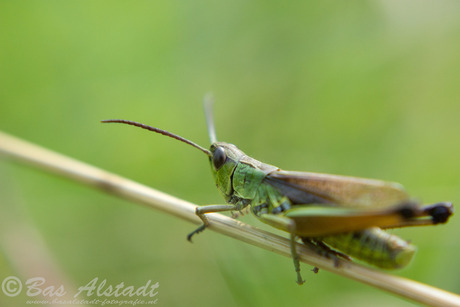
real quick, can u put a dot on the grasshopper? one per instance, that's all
(339, 216)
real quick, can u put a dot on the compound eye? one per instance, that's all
(218, 158)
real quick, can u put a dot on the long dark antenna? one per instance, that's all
(164, 132)
(208, 103)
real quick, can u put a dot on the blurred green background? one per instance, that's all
(361, 88)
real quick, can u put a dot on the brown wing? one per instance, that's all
(307, 188)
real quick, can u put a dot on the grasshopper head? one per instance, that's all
(224, 159)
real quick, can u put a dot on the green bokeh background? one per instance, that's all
(362, 88)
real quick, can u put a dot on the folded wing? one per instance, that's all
(335, 190)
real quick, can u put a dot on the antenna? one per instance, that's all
(164, 132)
(208, 102)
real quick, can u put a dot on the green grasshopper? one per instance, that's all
(338, 216)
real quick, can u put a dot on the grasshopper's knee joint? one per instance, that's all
(441, 212)
(198, 211)
(201, 214)
(291, 228)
